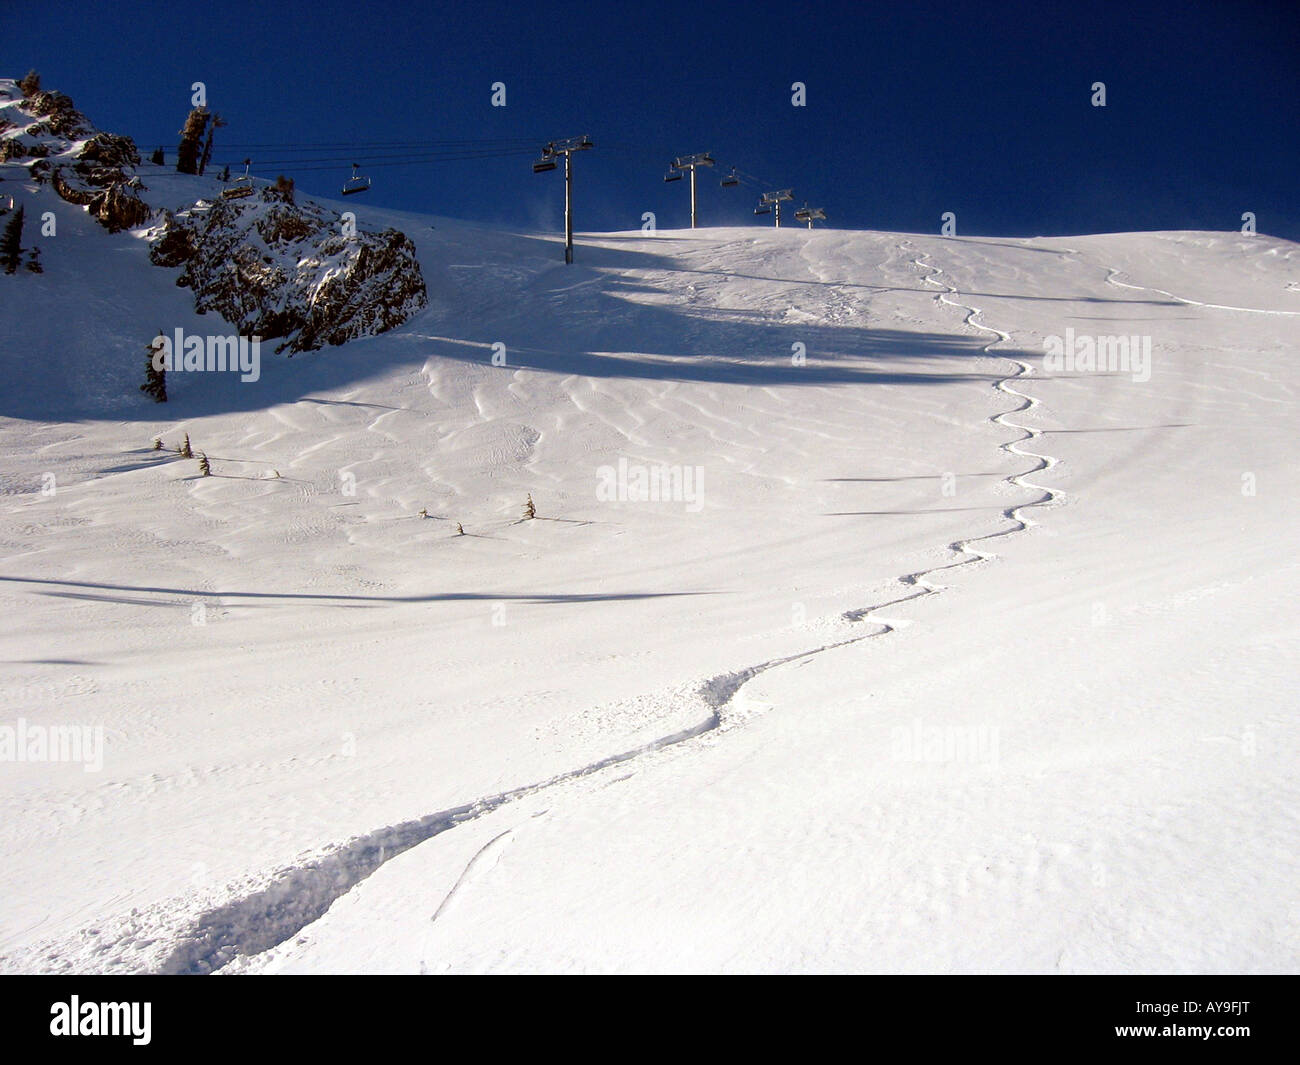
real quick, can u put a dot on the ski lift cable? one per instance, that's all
(405, 162)
(342, 157)
(308, 146)
(369, 160)
(376, 154)
(404, 159)
(667, 153)
(396, 148)
(659, 156)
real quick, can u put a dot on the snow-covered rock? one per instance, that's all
(280, 269)
(85, 166)
(268, 265)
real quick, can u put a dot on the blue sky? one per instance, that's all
(914, 109)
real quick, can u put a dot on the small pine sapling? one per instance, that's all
(530, 511)
(11, 243)
(460, 529)
(424, 512)
(155, 379)
(157, 443)
(205, 467)
(186, 452)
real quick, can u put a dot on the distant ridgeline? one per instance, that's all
(265, 263)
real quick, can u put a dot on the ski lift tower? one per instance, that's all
(547, 162)
(774, 200)
(810, 215)
(689, 162)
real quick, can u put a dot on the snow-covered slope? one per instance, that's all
(954, 662)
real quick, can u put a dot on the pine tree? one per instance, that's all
(225, 173)
(11, 243)
(187, 152)
(158, 159)
(155, 382)
(186, 452)
(206, 157)
(460, 529)
(31, 84)
(34, 261)
(205, 468)
(157, 443)
(530, 511)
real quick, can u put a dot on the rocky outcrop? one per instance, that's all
(61, 116)
(268, 265)
(377, 288)
(15, 148)
(85, 166)
(118, 207)
(72, 193)
(107, 152)
(282, 270)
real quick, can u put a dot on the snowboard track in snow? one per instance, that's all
(1112, 278)
(1013, 514)
(297, 896)
(301, 894)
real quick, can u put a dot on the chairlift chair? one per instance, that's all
(545, 163)
(241, 186)
(673, 175)
(763, 208)
(730, 180)
(356, 183)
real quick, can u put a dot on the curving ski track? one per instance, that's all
(1013, 514)
(1113, 274)
(297, 896)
